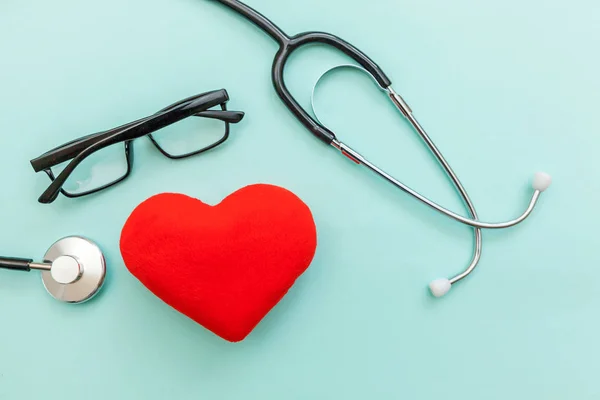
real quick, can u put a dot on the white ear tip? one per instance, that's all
(541, 181)
(440, 287)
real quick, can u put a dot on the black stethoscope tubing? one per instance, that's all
(289, 44)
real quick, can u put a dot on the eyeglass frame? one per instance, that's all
(79, 149)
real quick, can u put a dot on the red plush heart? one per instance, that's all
(224, 266)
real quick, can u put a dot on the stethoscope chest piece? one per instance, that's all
(77, 272)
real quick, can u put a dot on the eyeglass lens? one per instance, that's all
(190, 135)
(100, 169)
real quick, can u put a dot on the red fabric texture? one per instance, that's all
(224, 266)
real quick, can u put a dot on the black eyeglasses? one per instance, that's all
(98, 161)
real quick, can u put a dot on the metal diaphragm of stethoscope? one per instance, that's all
(73, 269)
(289, 44)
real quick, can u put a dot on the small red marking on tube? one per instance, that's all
(350, 157)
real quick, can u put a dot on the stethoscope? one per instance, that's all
(288, 44)
(73, 269)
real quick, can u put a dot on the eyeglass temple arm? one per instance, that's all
(232, 117)
(540, 183)
(69, 150)
(144, 127)
(223, 115)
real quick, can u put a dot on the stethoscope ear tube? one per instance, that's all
(438, 287)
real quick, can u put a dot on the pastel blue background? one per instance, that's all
(505, 88)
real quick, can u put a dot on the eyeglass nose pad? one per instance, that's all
(328, 72)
